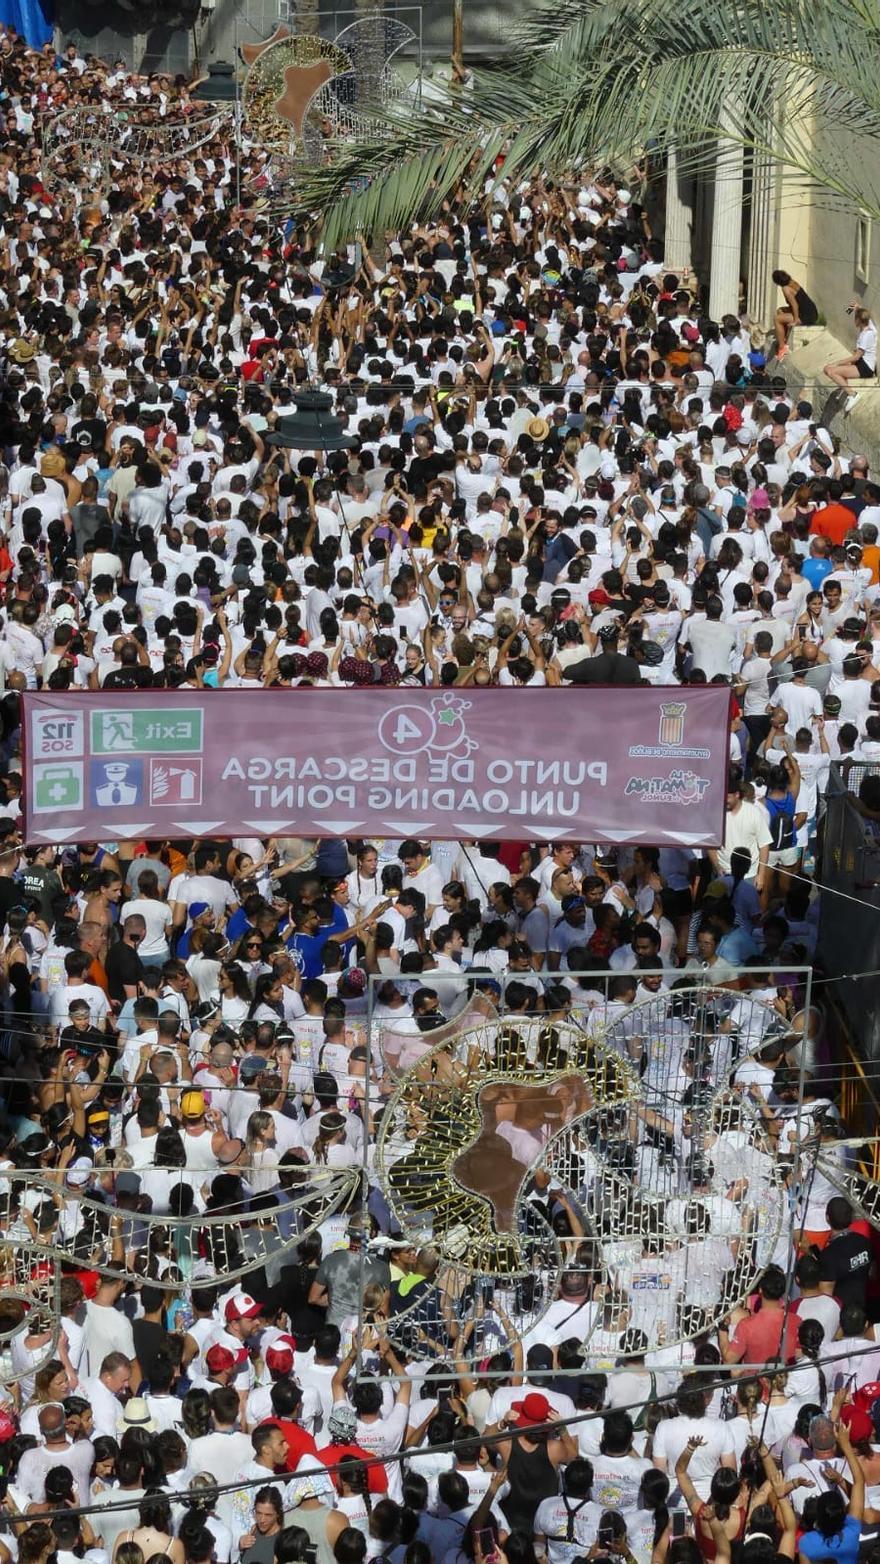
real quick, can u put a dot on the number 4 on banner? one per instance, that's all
(405, 730)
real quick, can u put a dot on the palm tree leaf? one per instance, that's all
(592, 82)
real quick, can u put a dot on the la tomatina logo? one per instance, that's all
(680, 787)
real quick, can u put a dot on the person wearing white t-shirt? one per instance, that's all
(860, 365)
(672, 1436)
(203, 885)
(746, 826)
(800, 702)
(710, 640)
(225, 1451)
(419, 874)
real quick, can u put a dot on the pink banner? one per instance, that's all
(588, 764)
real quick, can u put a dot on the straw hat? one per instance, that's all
(537, 429)
(21, 351)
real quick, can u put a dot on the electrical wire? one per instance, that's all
(709, 1381)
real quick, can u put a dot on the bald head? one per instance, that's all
(51, 1422)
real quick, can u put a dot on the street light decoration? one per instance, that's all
(302, 92)
(88, 139)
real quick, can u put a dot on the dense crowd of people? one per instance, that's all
(562, 472)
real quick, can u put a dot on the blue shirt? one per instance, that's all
(845, 1546)
(307, 952)
(308, 949)
(815, 571)
(736, 947)
(238, 924)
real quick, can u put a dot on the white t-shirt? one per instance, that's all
(157, 916)
(220, 1453)
(617, 1480)
(746, 827)
(106, 1330)
(672, 1436)
(866, 342)
(205, 887)
(800, 702)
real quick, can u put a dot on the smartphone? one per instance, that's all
(679, 1523)
(485, 1541)
(802, 630)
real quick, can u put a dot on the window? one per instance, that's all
(863, 248)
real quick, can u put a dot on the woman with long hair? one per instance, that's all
(354, 1493)
(51, 1385)
(861, 364)
(258, 1544)
(195, 1413)
(647, 1526)
(754, 1418)
(248, 953)
(330, 1149)
(268, 1001)
(798, 310)
(728, 1501)
(261, 1157)
(154, 1533)
(235, 994)
(809, 626)
(169, 1161)
(105, 1452)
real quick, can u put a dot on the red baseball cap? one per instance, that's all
(242, 1307)
(279, 1357)
(219, 1359)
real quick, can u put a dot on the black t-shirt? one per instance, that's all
(150, 1339)
(42, 883)
(846, 1261)
(123, 966)
(134, 677)
(89, 1040)
(11, 895)
(606, 668)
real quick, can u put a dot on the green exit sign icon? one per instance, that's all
(146, 730)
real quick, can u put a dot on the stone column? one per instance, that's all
(764, 237)
(726, 228)
(679, 215)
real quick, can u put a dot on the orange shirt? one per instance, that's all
(871, 560)
(98, 976)
(833, 521)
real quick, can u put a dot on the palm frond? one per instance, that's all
(595, 81)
